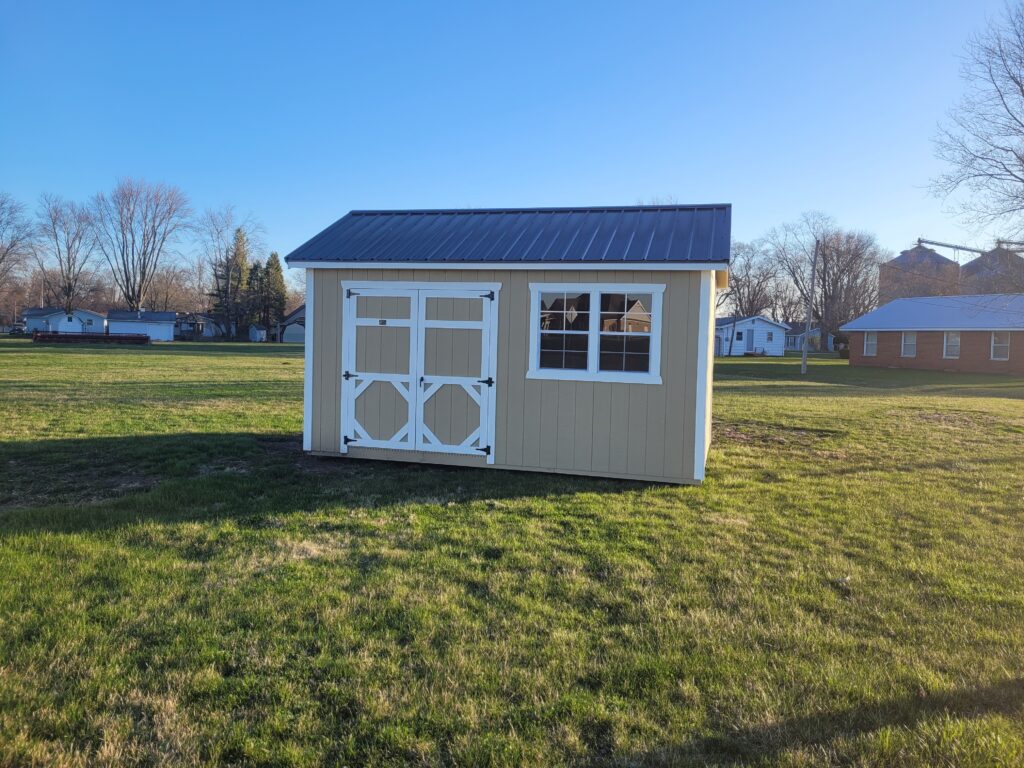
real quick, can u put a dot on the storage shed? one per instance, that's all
(159, 326)
(576, 340)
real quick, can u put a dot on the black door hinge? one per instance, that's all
(488, 295)
(346, 375)
(348, 439)
(486, 450)
(488, 381)
(349, 293)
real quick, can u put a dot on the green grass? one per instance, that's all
(180, 585)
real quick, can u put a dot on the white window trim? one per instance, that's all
(945, 346)
(992, 347)
(867, 335)
(653, 376)
(903, 344)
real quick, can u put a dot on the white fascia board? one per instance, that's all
(492, 266)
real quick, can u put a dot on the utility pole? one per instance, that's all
(810, 305)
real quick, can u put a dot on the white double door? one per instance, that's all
(418, 367)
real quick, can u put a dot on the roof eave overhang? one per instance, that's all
(498, 266)
(936, 329)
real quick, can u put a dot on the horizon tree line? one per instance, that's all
(139, 246)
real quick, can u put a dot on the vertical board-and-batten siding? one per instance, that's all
(610, 429)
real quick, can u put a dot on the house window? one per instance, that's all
(88, 321)
(909, 346)
(951, 345)
(1000, 345)
(871, 344)
(771, 336)
(739, 335)
(596, 332)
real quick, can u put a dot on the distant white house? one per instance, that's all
(756, 335)
(56, 320)
(159, 326)
(257, 333)
(293, 327)
(795, 340)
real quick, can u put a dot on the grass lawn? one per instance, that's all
(179, 585)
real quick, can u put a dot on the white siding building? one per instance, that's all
(56, 320)
(159, 326)
(738, 336)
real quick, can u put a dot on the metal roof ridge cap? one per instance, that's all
(540, 209)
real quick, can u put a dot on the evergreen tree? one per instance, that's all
(230, 278)
(256, 293)
(276, 291)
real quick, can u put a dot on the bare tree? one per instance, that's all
(16, 237)
(752, 278)
(66, 244)
(983, 138)
(136, 226)
(847, 282)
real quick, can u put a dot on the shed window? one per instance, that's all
(596, 332)
(909, 346)
(739, 335)
(771, 336)
(871, 344)
(1000, 345)
(951, 345)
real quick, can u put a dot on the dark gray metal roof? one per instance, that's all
(546, 236)
(149, 317)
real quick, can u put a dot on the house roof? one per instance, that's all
(145, 317)
(995, 312)
(669, 234)
(41, 311)
(722, 322)
(299, 313)
(50, 311)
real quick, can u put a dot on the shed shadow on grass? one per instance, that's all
(81, 484)
(766, 743)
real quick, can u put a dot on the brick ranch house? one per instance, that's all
(977, 334)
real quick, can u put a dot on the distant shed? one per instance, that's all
(576, 340)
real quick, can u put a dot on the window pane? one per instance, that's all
(612, 362)
(563, 350)
(638, 312)
(638, 345)
(638, 363)
(576, 360)
(551, 359)
(552, 302)
(613, 343)
(552, 341)
(625, 353)
(576, 342)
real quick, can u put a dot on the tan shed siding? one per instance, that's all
(597, 428)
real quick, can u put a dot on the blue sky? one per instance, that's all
(298, 112)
